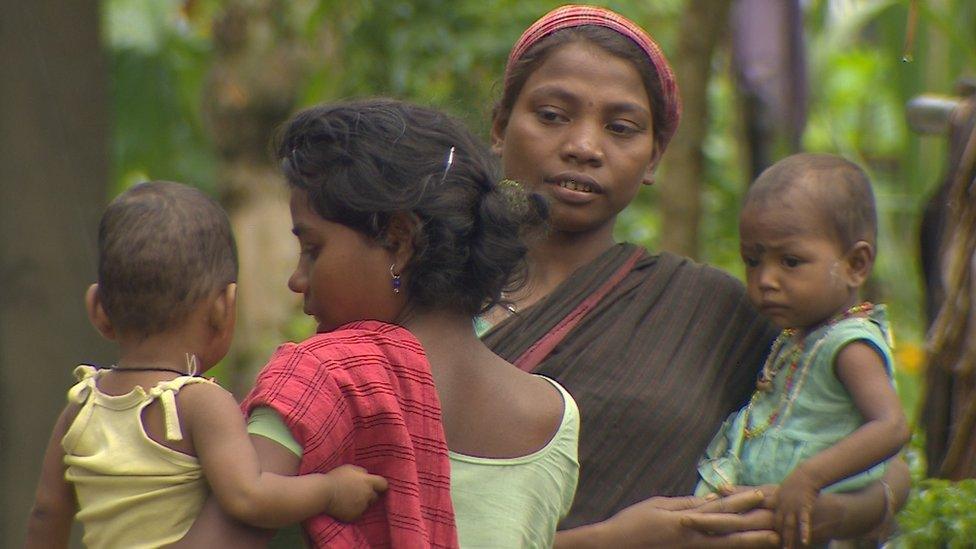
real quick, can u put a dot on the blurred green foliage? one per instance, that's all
(939, 514)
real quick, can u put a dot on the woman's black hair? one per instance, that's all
(606, 39)
(363, 162)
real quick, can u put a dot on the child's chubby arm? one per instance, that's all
(214, 424)
(49, 524)
(885, 430)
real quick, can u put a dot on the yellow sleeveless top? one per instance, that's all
(132, 491)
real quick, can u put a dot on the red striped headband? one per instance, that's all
(574, 15)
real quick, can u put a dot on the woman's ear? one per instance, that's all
(399, 238)
(97, 315)
(648, 176)
(498, 135)
(860, 260)
(651, 168)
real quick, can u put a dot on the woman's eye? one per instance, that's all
(622, 128)
(550, 115)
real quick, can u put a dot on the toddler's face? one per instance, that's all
(796, 272)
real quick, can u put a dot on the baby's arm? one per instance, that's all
(214, 423)
(49, 524)
(860, 368)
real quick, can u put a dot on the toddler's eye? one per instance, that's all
(750, 261)
(791, 262)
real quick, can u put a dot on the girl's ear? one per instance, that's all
(97, 315)
(860, 260)
(400, 234)
(223, 312)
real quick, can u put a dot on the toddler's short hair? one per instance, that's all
(162, 247)
(838, 189)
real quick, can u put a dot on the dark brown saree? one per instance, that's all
(655, 367)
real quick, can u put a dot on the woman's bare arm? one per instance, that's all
(49, 524)
(733, 521)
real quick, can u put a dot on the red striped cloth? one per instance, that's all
(364, 395)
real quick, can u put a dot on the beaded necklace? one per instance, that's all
(778, 360)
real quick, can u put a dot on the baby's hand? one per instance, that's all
(794, 506)
(353, 490)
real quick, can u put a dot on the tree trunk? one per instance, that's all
(54, 171)
(683, 167)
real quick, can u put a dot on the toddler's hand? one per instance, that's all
(353, 490)
(794, 503)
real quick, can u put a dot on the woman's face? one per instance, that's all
(581, 134)
(343, 275)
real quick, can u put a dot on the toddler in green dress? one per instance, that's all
(825, 414)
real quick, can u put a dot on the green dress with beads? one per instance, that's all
(807, 411)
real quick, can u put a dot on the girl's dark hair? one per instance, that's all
(608, 40)
(162, 248)
(362, 162)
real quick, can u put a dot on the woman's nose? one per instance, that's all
(582, 144)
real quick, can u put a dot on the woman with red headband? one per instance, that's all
(656, 349)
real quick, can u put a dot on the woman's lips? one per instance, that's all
(574, 188)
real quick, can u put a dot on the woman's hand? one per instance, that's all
(734, 521)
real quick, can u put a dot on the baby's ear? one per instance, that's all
(860, 260)
(223, 311)
(97, 315)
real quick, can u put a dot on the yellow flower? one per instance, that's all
(909, 357)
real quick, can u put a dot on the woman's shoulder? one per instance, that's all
(547, 411)
(539, 419)
(699, 274)
(682, 278)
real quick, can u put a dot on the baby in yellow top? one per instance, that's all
(139, 442)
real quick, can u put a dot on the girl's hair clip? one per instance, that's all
(294, 158)
(448, 164)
